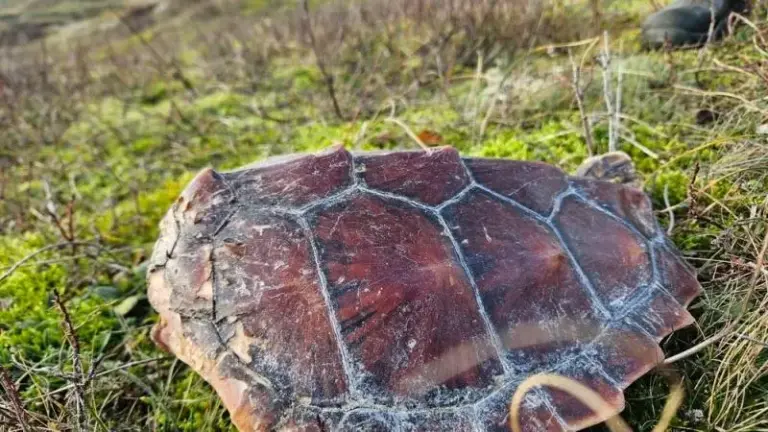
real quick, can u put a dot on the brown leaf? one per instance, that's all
(431, 138)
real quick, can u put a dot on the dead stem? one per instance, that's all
(578, 93)
(13, 395)
(328, 78)
(78, 378)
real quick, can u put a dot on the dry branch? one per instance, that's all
(327, 76)
(578, 93)
(78, 378)
(15, 399)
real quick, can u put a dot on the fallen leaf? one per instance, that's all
(431, 138)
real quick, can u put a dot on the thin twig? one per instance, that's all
(178, 73)
(103, 373)
(78, 379)
(59, 245)
(605, 64)
(328, 78)
(578, 93)
(13, 395)
(617, 109)
(710, 32)
(753, 340)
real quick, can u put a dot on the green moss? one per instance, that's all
(29, 322)
(301, 78)
(221, 103)
(508, 146)
(159, 90)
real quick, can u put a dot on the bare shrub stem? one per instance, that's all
(613, 108)
(14, 398)
(78, 378)
(578, 93)
(327, 76)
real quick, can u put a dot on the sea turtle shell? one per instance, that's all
(413, 291)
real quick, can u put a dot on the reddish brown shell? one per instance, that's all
(413, 291)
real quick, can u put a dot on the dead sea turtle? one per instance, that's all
(412, 291)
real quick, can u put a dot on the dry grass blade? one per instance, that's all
(750, 105)
(674, 399)
(592, 400)
(410, 133)
(584, 394)
(670, 212)
(728, 330)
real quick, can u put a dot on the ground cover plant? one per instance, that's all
(101, 127)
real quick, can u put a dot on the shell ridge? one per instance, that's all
(499, 389)
(456, 198)
(599, 367)
(642, 295)
(558, 203)
(390, 195)
(327, 201)
(642, 330)
(610, 214)
(672, 250)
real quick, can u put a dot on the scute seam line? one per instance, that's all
(597, 303)
(492, 334)
(645, 241)
(513, 382)
(300, 215)
(351, 381)
(650, 244)
(552, 409)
